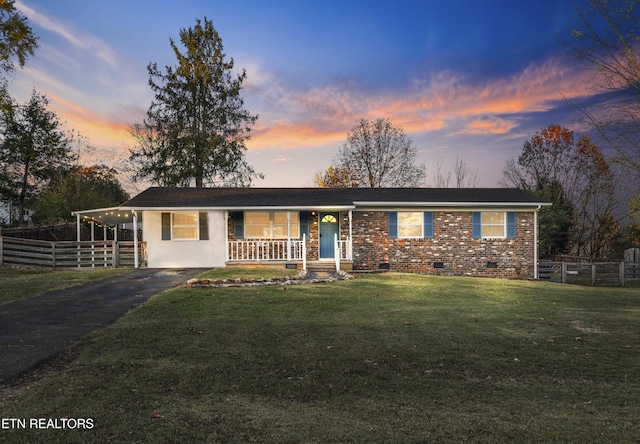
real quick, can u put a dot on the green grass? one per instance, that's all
(22, 282)
(248, 273)
(381, 358)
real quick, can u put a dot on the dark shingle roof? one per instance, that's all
(159, 197)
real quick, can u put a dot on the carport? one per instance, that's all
(109, 217)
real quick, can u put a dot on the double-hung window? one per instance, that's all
(185, 225)
(494, 224)
(411, 224)
(271, 224)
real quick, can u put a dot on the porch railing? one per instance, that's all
(266, 250)
(343, 250)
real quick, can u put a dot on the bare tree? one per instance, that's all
(379, 154)
(465, 177)
(441, 178)
(461, 174)
(607, 37)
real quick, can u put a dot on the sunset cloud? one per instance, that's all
(448, 101)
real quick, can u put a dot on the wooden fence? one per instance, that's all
(68, 254)
(599, 273)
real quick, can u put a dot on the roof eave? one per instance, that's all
(452, 204)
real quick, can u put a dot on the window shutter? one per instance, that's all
(511, 224)
(238, 225)
(393, 224)
(203, 223)
(304, 223)
(428, 224)
(476, 225)
(166, 226)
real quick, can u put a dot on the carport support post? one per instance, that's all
(104, 238)
(78, 236)
(93, 246)
(135, 239)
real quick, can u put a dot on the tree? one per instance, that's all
(335, 177)
(555, 222)
(75, 188)
(607, 38)
(463, 175)
(16, 37)
(33, 146)
(196, 127)
(378, 154)
(574, 176)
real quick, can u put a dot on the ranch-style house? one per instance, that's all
(471, 231)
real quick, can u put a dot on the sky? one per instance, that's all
(468, 80)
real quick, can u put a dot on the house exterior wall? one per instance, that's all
(185, 253)
(452, 245)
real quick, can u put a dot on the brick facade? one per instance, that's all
(452, 247)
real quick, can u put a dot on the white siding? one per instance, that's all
(185, 253)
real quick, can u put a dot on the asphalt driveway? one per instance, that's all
(34, 330)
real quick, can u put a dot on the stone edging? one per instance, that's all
(302, 278)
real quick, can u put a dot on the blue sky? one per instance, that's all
(465, 79)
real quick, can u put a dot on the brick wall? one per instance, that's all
(452, 247)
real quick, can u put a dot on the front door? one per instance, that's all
(329, 227)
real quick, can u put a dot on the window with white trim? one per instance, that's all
(410, 224)
(271, 224)
(185, 225)
(493, 224)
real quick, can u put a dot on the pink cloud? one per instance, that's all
(446, 101)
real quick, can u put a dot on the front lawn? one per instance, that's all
(23, 282)
(381, 358)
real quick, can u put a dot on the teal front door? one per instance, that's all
(329, 227)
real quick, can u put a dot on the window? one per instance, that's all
(329, 218)
(494, 224)
(271, 224)
(410, 224)
(185, 226)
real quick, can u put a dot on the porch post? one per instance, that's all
(336, 251)
(304, 252)
(135, 239)
(350, 240)
(288, 235)
(227, 243)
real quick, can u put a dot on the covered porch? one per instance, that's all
(316, 239)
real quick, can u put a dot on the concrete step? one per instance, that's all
(327, 267)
